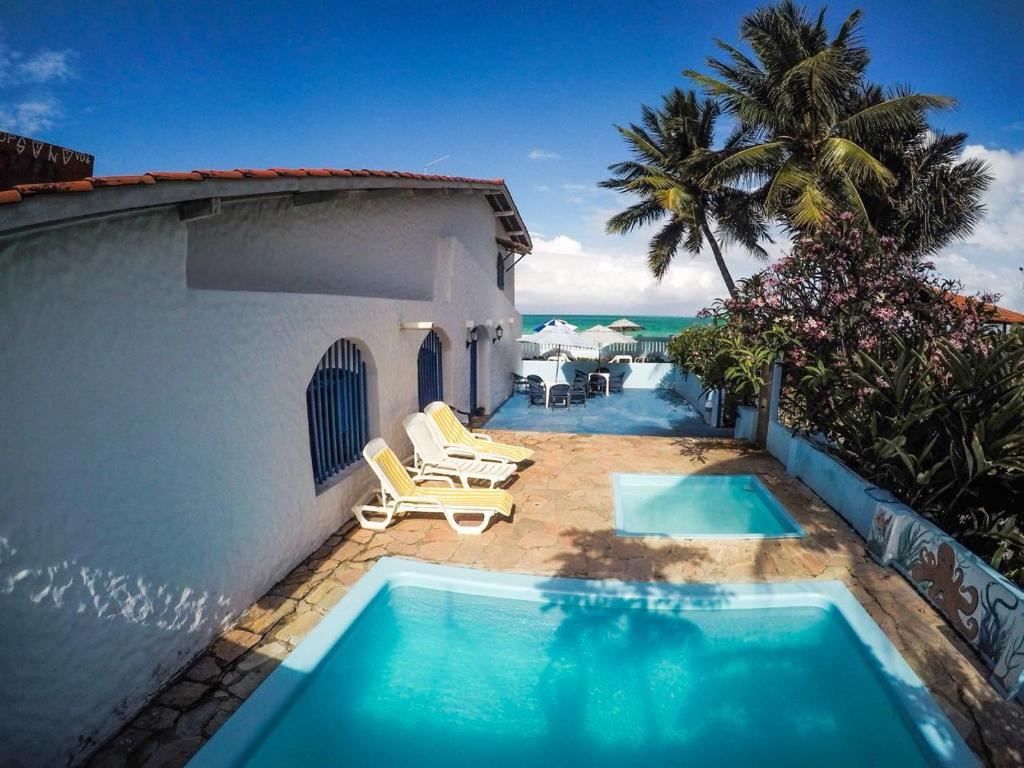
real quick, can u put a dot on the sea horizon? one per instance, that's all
(654, 325)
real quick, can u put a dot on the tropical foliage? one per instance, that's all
(812, 137)
(941, 426)
(815, 137)
(671, 157)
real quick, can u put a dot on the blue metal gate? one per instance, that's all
(429, 370)
(472, 376)
(336, 408)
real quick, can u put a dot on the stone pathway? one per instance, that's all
(563, 527)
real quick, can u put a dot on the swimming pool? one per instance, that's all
(432, 665)
(699, 507)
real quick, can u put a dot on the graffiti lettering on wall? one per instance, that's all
(29, 161)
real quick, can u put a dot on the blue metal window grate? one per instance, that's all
(336, 408)
(501, 272)
(430, 373)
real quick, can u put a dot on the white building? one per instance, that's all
(160, 341)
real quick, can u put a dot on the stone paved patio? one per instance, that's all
(563, 526)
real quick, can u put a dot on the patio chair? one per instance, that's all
(596, 384)
(578, 391)
(399, 493)
(520, 384)
(558, 396)
(535, 378)
(537, 393)
(431, 458)
(451, 434)
(616, 382)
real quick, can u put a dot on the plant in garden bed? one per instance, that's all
(943, 428)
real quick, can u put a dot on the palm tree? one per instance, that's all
(806, 132)
(937, 195)
(673, 154)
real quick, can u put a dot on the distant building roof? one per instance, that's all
(28, 205)
(1000, 315)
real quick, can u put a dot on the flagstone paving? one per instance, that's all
(563, 526)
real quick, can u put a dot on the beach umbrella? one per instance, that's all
(555, 322)
(560, 338)
(625, 324)
(603, 336)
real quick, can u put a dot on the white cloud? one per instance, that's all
(29, 116)
(563, 275)
(988, 260)
(543, 154)
(44, 66)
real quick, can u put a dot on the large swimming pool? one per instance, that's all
(699, 507)
(430, 665)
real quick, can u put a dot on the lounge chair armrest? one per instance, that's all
(439, 478)
(482, 436)
(420, 500)
(454, 451)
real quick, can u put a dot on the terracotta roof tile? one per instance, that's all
(999, 314)
(257, 173)
(54, 186)
(175, 176)
(317, 171)
(118, 181)
(221, 174)
(10, 196)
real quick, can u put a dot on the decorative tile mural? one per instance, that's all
(985, 608)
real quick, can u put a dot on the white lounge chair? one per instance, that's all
(431, 458)
(452, 435)
(399, 493)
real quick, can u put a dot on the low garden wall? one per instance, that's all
(690, 386)
(985, 608)
(746, 423)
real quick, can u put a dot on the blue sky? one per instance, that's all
(528, 92)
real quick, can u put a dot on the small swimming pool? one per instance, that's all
(699, 507)
(433, 665)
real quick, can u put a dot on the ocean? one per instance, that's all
(654, 325)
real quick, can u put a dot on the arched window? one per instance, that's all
(501, 272)
(430, 374)
(336, 408)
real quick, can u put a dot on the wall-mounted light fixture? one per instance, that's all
(471, 336)
(498, 333)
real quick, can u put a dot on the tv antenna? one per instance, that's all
(435, 162)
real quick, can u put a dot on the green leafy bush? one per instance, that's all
(942, 427)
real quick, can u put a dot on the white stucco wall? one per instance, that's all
(154, 466)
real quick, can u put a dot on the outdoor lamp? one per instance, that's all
(473, 335)
(498, 332)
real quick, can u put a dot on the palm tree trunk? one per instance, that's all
(719, 259)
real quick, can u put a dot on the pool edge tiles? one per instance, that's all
(936, 738)
(789, 527)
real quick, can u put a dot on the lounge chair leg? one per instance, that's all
(469, 530)
(374, 525)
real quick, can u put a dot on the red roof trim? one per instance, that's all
(20, 191)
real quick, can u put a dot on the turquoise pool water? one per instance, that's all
(429, 677)
(699, 507)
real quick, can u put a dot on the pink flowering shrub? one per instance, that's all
(845, 291)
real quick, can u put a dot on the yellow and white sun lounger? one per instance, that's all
(453, 435)
(398, 493)
(431, 457)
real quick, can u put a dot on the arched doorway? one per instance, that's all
(430, 370)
